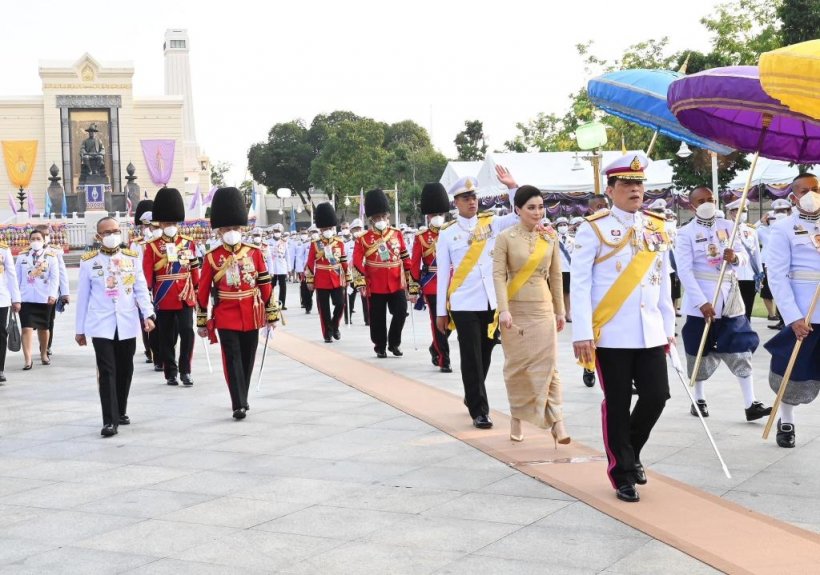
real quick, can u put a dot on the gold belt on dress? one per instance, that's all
(237, 294)
(172, 277)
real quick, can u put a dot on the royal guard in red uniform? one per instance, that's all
(381, 256)
(326, 271)
(237, 277)
(435, 204)
(171, 269)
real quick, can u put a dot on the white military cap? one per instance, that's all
(576, 220)
(146, 217)
(781, 204)
(278, 227)
(562, 220)
(629, 167)
(720, 214)
(735, 205)
(467, 184)
(659, 204)
(357, 223)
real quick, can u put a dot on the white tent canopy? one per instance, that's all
(454, 171)
(770, 172)
(559, 172)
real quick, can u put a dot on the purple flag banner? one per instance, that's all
(12, 205)
(195, 199)
(159, 157)
(32, 207)
(209, 198)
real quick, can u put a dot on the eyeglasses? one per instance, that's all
(108, 233)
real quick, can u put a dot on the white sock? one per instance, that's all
(700, 390)
(786, 413)
(748, 390)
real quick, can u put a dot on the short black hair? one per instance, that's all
(105, 219)
(524, 194)
(803, 175)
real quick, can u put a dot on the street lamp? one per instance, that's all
(283, 193)
(592, 136)
(683, 151)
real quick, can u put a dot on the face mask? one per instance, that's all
(562, 229)
(381, 225)
(112, 241)
(147, 234)
(314, 236)
(744, 217)
(327, 234)
(156, 232)
(358, 234)
(303, 238)
(36, 245)
(437, 221)
(706, 211)
(810, 202)
(277, 235)
(170, 231)
(232, 237)
(257, 239)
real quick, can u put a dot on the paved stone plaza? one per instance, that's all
(322, 478)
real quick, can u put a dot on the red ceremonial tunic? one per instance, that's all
(423, 262)
(172, 282)
(382, 258)
(326, 266)
(242, 299)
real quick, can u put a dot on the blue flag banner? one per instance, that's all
(95, 197)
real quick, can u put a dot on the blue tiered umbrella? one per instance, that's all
(639, 96)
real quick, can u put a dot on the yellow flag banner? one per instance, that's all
(20, 156)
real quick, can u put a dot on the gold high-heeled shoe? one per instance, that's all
(515, 426)
(559, 434)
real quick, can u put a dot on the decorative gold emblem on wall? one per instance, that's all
(87, 73)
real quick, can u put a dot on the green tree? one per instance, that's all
(742, 30)
(218, 172)
(800, 19)
(470, 142)
(284, 160)
(323, 124)
(352, 158)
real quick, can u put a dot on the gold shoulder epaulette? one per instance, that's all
(654, 215)
(130, 252)
(4, 246)
(216, 247)
(184, 237)
(254, 246)
(88, 255)
(597, 215)
(447, 225)
(25, 250)
(151, 241)
(421, 233)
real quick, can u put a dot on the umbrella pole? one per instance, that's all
(767, 120)
(651, 143)
(788, 373)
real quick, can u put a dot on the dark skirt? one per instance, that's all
(727, 335)
(807, 365)
(565, 278)
(34, 315)
(765, 290)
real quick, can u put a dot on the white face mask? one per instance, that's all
(314, 236)
(706, 211)
(303, 238)
(232, 237)
(257, 239)
(170, 231)
(156, 232)
(381, 225)
(327, 234)
(744, 217)
(563, 229)
(147, 234)
(36, 245)
(112, 241)
(437, 221)
(358, 234)
(810, 202)
(277, 235)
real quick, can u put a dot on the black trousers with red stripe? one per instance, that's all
(170, 325)
(238, 354)
(440, 344)
(626, 433)
(324, 297)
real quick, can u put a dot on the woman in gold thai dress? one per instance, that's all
(528, 285)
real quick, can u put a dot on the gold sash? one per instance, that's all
(233, 258)
(463, 270)
(530, 265)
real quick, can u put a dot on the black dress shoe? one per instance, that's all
(239, 413)
(627, 493)
(702, 407)
(186, 379)
(483, 422)
(108, 431)
(380, 353)
(433, 355)
(125, 420)
(158, 367)
(640, 474)
(446, 369)
(589, 378)
(2, 377)
(337, 335)
(328, 339)
(785, 434)
(394, 349)
(149, 360)
(756, 411)
(778, 326)
(172, 381)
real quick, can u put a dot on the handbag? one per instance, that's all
(14, 342)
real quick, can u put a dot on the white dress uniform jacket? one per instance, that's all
(9, 288)
(793, 264)
(699, 253)
(110, 291)
(750, 247)
(477, 293)
(281, 256)
(647, 317)
(58, 253)
(38, 276)
(300, 257)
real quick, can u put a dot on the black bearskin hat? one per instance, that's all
(142, 207)
(434, 199)
(325, 216)
(228, 209)
(168, 206)
(375, 202)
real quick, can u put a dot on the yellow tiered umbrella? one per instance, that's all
(792, 75)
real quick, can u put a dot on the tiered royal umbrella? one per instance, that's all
(792, 76)
(639, 96)
(730, 106)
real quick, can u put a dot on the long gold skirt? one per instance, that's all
(530, 372)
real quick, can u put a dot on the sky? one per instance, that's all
(255, 64)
